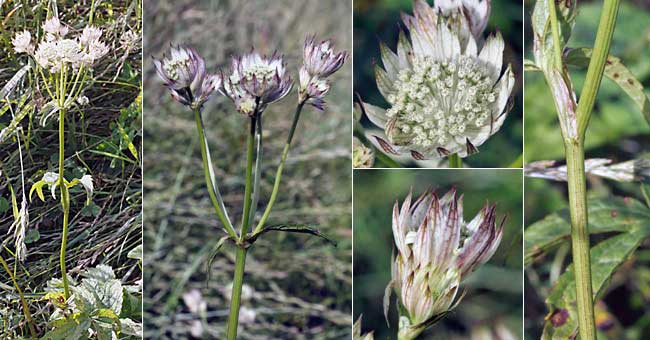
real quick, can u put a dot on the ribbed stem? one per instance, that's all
(249, 178)
(455, 161)
(580, 238)
(235, 298)
(278, 175)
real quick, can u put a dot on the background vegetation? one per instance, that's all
(296, 287)
(617, 131)
(379, 20)
(106, 230)
(494, 291)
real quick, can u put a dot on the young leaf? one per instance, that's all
(561, 322)
(605, 215)
(618, 73)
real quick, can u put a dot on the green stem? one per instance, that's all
(580, 237)
(249, 178)
(556, 34)
(65, 203)
(596, 65)
(235, 298)
(208, 172)
(278, 175)
(455, 161)
(28, 314)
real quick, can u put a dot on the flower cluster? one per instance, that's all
(446, 95)
(319, 62)
(362, 156)
(56, 52)
(185, 75)
(256, 81)
(436, 251)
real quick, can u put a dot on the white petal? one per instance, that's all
(505, 85)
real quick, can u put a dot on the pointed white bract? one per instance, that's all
(356, 332)
(185, 75)
(256, 81)
(23, 42)
(435, 251)
(319, 62)
(446, 95)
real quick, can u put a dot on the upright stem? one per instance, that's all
(580, 238)
(207, 170)
(455, 161)
(240, 260)
(28, 314)
(249, 178)
(278, 174)
(235, 298)
(65, 203)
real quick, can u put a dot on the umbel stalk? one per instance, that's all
(65, 199)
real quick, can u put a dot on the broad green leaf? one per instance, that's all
(69, 328)
(618, 73)
(605, 215)
(128, 141)
(606, 257)
(131, 306)
(130, 327)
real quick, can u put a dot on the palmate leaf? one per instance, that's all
(606, 257)
(605, 215)
(618, 73)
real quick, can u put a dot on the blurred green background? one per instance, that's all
(494, 291)
(298, 286)
(617, 131)
(379, 20)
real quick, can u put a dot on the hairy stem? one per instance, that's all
(215, 196)
(455, 161)
(235, 297)
(278, 175)
(580, 238)
(28, 314)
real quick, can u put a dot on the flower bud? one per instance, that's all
(362, 156)
(319, 62)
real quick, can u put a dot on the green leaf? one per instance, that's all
(128, 141)
(541, 22)
(605, 215)
(135, 253)
(606, 257)
(130, 327)
(131, 306)
(32, 236)
(69, 328)
(618, 73)
(4, 205)
(213, 255)
(296, 228)
(38, 187)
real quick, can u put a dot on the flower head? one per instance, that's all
(436, 251)
(256, 81)
(362, 156)
(184, 73)
(445, 95)
(319, 62)
(56, 54)
(54, 28)
(23, 42)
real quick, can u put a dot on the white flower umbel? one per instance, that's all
(23, 43)
(446, 95)
(436, 251)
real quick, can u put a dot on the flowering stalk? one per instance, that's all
(574, 148)
(455, 161)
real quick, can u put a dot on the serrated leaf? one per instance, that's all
(618, 73)
(606, 257)
(295, 228)
(70, 328)
(130, 327)
(605, 215)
